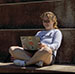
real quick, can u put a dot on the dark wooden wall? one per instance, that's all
(65, 54)
(27, 14)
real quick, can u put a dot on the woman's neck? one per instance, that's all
(49, 29)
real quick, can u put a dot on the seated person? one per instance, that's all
(50, 41)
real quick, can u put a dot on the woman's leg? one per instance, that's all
(19, 53)
(41, 55)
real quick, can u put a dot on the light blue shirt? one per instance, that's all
(51, 38)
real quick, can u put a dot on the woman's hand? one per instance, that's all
(45, 47)
(25, 47)
(41, 45)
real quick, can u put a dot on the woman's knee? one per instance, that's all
(11, 49)
(45, 56)
(46, 51)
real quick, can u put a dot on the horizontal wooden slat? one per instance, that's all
(18, 1)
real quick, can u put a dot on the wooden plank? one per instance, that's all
(27, 1)
(11, 68)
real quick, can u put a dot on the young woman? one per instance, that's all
(50, 37)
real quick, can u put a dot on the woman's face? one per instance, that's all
(48, 24)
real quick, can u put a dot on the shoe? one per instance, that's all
(39, 64)
(19, 62)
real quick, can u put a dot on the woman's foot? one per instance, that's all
(39, 64)
(19, 62)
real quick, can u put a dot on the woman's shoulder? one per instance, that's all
(41, 31)
(57, 30)
(38, 33)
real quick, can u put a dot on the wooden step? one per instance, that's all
(11, 37)
(56, 68)
(26, 15)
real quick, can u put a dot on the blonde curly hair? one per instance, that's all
(50, 16)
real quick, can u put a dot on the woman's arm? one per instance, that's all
(56, 41)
